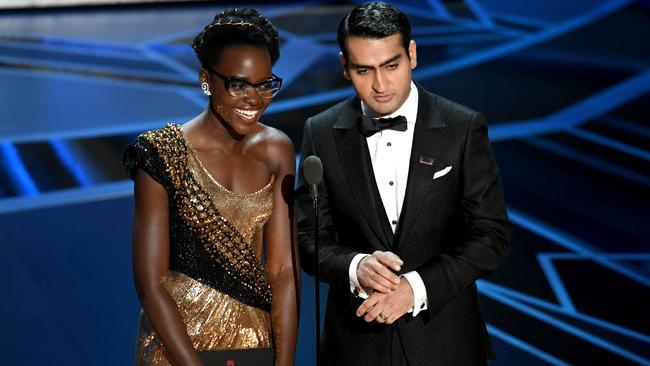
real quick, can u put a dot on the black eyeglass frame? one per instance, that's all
(227, 80)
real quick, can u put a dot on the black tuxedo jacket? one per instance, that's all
(452, 230)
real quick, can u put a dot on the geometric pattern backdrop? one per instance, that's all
(565, 86)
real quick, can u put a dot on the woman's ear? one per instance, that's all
(203, 76)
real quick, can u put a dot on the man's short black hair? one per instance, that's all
(374, 20)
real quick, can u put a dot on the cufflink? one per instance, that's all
(422, 306)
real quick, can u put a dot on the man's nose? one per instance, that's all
(379, 82)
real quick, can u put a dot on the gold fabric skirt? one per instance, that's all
(214, 321)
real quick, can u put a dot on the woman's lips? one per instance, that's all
(246, 114)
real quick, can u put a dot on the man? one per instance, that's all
(411, 213)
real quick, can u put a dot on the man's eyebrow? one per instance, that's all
(392, 59)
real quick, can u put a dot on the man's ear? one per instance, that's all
(413, 55)
(344, 65)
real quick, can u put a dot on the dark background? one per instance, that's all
(564, 84)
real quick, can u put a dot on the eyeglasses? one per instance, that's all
(238, 88)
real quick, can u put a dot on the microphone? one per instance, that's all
(312, 172)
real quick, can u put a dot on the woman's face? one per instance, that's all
(251, 64)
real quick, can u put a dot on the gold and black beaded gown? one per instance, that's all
(216, 276)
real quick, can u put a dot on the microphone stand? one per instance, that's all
(317, 276)
(312, 172)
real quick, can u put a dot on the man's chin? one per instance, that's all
(378, 108)
(383, 109)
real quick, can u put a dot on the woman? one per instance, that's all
(211, 196)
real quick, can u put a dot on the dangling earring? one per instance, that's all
(206, 88)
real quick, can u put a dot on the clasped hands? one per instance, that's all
(392, 295)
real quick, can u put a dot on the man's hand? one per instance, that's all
(386, 308)
(374, 271)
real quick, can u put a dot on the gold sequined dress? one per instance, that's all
(216, 276)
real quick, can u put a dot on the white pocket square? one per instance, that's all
(442, 172)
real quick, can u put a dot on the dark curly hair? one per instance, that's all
(236, 26)
(374, 20)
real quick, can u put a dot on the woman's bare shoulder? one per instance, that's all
(276, 146)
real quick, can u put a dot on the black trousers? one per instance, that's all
(398, 355)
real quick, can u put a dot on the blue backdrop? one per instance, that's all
(565, 86)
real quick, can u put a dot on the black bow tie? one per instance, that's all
(370, 126)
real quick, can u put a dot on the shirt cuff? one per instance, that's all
(420, 301)
(355, 287)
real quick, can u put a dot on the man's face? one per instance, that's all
(380, 71)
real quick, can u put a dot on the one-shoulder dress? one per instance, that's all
(216, 275)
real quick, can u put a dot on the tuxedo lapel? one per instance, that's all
(429, 138)
(357, 166)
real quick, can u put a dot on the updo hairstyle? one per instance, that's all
(233, 27)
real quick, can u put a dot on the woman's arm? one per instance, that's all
(282, 252)
(150, 264)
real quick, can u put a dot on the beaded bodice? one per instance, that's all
(214, 233)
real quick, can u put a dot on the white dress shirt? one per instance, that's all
(390, 152)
